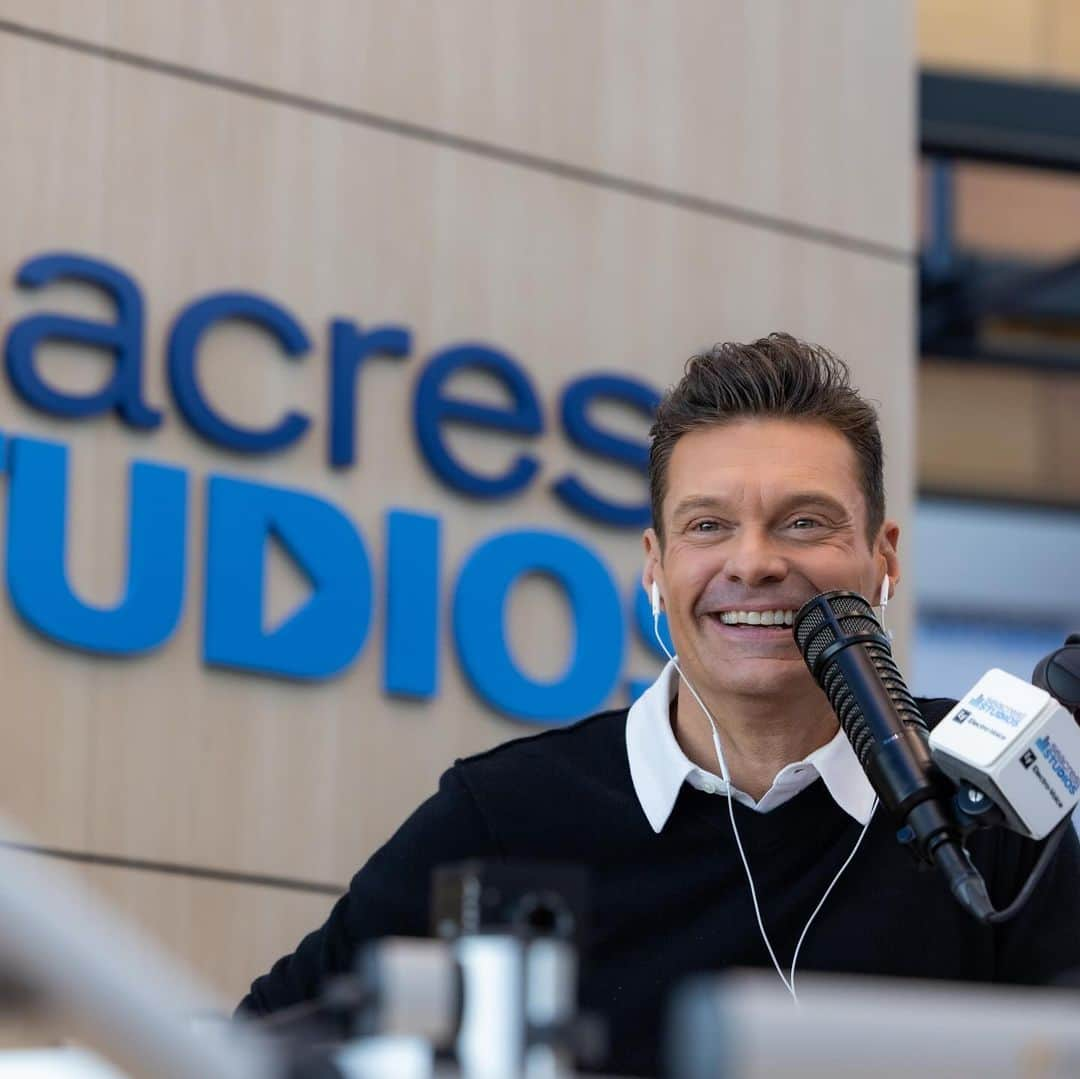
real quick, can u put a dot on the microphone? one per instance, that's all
(1059, 674)
(1014, 743)
(850, 657)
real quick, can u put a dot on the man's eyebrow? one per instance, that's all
(696, 503)
(816, 498)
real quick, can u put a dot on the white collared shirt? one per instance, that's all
(658, 766)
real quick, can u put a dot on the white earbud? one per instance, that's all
(655, 599)
(883, 603)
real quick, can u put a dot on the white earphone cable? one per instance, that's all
(725, 775)
(821, 902)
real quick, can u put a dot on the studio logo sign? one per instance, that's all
(329, 631)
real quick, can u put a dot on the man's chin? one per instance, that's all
(756, 666)
(764, 679)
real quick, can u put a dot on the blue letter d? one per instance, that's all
(325, 634)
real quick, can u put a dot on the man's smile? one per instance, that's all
(741, 625)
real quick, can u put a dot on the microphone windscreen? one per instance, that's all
(831, 623)
(832, 616)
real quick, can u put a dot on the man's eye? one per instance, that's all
(803, 523)
(706, 525)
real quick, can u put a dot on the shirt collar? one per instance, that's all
(658, 766)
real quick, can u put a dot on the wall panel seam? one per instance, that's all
(176, 869)
(476, 147)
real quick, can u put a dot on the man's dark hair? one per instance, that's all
(775, 377)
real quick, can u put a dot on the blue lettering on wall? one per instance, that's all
(37, 581)
(122, 338)
(183, 347)
(410, 664)
(349, 348)
(328, 631)
(433, 407)
(577, 399)
(596, 636)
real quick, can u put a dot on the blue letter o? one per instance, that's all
(479, 630)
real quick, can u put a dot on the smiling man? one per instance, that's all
(766, 482)
(766, 479)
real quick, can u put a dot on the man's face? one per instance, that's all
(760, 515)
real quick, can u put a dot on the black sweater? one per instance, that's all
(669, 905)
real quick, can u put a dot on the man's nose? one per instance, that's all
(754, 560)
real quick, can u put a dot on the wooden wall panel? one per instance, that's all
(1024, 38)
(748, 102)
(192, 186)
(1064, 40)
(1017, 212)
(634, 284)
(267, 776)
(1062, 397)
(978, 428)
(999, 432)
(963, 33)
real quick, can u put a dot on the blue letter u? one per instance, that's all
(37, 518)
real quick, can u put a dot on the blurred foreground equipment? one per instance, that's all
(64, 956)
(745, 1025)
(493, 996)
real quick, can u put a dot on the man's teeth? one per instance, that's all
(757, 618)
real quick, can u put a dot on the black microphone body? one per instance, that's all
(851, 659)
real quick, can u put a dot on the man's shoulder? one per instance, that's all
(595, 734)
(934, 709)
(592, 748)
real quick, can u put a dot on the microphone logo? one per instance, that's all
(1028, 759)
(961, 715)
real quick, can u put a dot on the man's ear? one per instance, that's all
(652, 569)
(887, 545)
